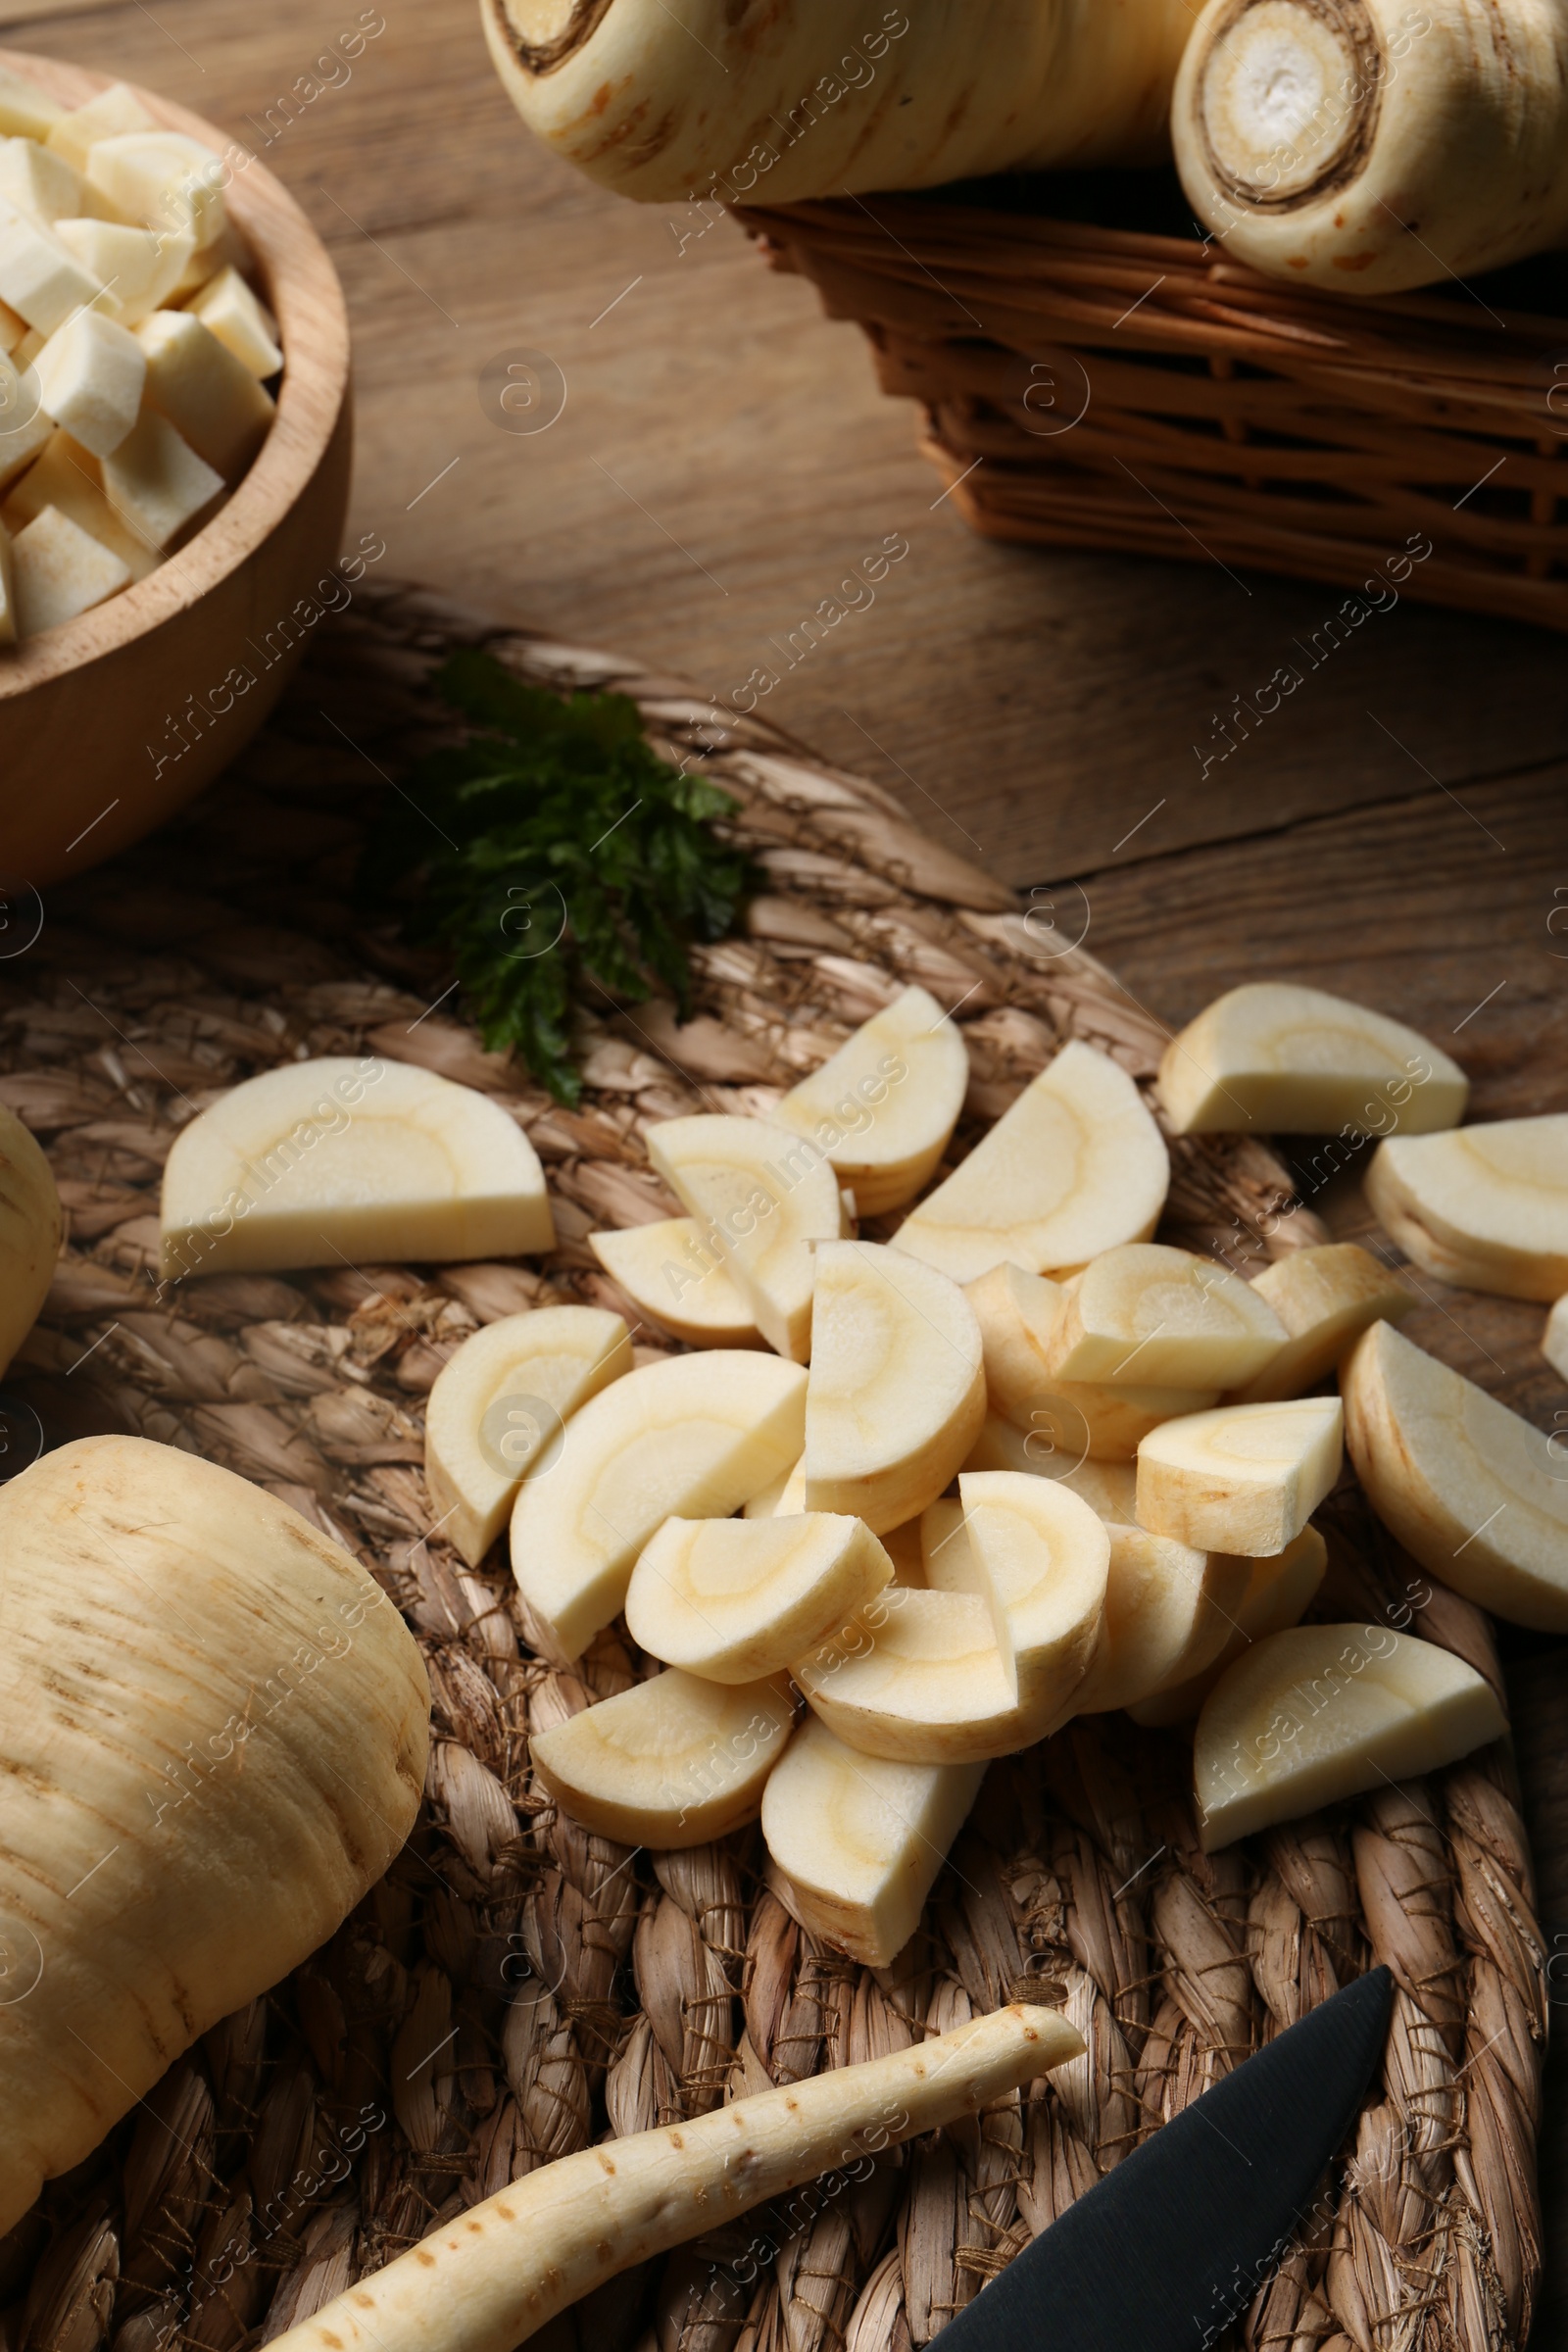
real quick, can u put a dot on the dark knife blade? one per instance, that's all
(1162, 2254)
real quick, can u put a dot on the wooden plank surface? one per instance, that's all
(721, 462)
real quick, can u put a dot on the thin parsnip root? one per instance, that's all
(490, 2278)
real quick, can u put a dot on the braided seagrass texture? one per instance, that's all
(517, 1987)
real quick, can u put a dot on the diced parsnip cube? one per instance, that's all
(8, 591)
(163, 179)
(13, 326)
(67, 476)
(39, 277)
(38, 182)
(238, 319)
(1245, 1477)
(24, 427)
(157, 483)
(114, 110)
(90, 378)
(139, 267)
(60, 572)
(200, 386)
(25, 111)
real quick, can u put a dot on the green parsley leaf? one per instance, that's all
(553, 850)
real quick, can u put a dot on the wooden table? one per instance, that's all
(720, 461)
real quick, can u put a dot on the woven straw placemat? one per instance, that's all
(517, 1987)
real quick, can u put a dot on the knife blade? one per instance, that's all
(1164, 2252)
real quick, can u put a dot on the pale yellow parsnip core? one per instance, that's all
(1272, 98)
(1075, 1167)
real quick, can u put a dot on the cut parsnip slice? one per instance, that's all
(1485, 1207)
(695, 1436)
(946, 1562)
(1554, 1339)
(667, 1272)
(886, 1103)
(1075, 1167)
(917, 1678)
(1308, 1717)
(1169, 1613)
(29, 1232)
(897, 1392)
(735, 1599)
(1044, 1557)
(1325, 1297)
(1016, 1313)
(1278, 1593)
(1245, 1477)
(1152, 1315)
(319, 1161)
(783, 1497)
(1477, 1495)
(764, 1197)
(672, 1761)
(1287, 1060)
(1108, 1488)
(498, 1402)
(860, 1840)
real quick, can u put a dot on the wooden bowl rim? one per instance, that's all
(298, 273)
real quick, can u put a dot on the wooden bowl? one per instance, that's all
(115, 720)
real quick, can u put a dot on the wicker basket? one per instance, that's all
(1087, 386)
(517, 1987)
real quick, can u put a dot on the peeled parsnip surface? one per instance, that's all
(917, 1678)
(492, 2277)
(1308, 1717)
(1042, 1555)
(1272, 1058)
(1325, 1297)
(885, 1104)
(29, 1232)
(1486, 1206)
(736, 1600)
(896, 1390)
(800, 102)
(861, 1838)
(1169, 1613)
(1374, 147)
(695, 1436)
(763, 1198)
(498, 1402)
(213, 1726)
(1477, 1495)
(317, 1161)
(1075, 1167)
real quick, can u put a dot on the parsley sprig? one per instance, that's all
(552, 849)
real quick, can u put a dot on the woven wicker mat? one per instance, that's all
(516, 1988)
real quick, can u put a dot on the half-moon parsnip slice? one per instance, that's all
(896, 1390)
(886, 1103)
(671, 1762)
(736, 1600)
(859, 1839)
(1244, 1478)
(1325, 1297)
(667, 1273)
(1147, 1313)
(1075, 1167)
(1308, 1717)
(498, 1402)
(763, 1198)
(1485, 1207)
(1276, 1059)
(696, 1436)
